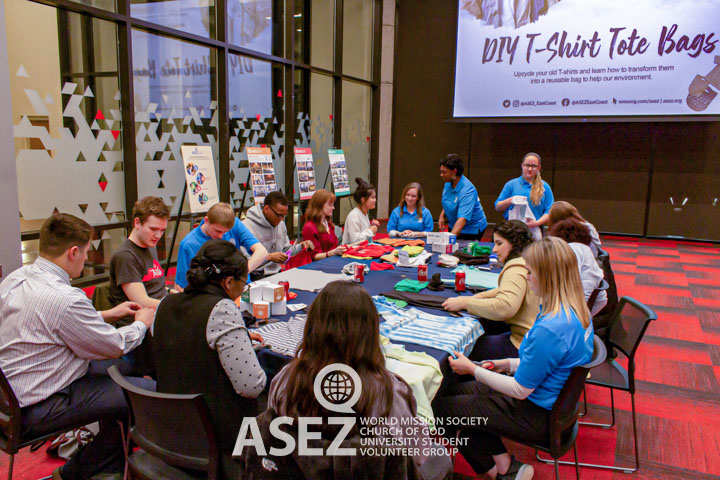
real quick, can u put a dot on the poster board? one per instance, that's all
(200, 177)
(262, 172)
(305, 172)
(338, 167)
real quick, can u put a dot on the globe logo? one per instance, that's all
(337, 387)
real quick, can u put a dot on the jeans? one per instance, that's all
(491, 347)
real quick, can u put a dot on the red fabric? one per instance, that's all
(364, 250)
(381, 266)
(324, 242)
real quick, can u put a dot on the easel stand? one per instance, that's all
(177, 226)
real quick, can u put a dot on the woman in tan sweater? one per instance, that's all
(506, 312)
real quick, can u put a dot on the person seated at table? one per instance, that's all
(358, 226)
(267, 223)
(220, 222)
(410, 218)
(518, 404)
(537, 192)
(319, 228)
(562, 210)
(509, 311)
(578, 237)
(202, 345)
(462, 212)
(342, 328)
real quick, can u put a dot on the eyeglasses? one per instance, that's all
(246, 286)
(276, 213)
(530, 166)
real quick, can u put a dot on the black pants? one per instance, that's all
(471, 236)
(492, 347)
(496, 415)
(94, 397)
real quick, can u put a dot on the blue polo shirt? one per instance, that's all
(462, 201)
(550, 350)
(410, 221)
(520, 186)
(239, 235)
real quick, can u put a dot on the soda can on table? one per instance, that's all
(422, 273)
(287, 288)
(460, 281)
(359, 273)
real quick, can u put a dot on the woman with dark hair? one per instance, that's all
(358, 226)
(462, 212)
(535, 192)
(519, 403)
(342, 327)
(410, 218)
(202, 345)
(319, 228)
(561, 210)
(513, 305)
(578, 237)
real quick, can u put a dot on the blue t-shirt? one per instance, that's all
(410, 221)
(239, 235)
(550, 350)
(520, 186)
(462, 201)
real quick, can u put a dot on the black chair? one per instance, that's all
(604, 285)
(604, 316)
(11, 441)
(627, 328)
(175, 434)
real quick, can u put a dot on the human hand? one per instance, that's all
(455, 304)
(375, 223)
(531, 223)
(278, 257)
(407, 233)
(146, 316)
(442, 223)
(257, 337)
(338, 250)
(462, 365)
(498, 366)
(308, 244)
(125, 309)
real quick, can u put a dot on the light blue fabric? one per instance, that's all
(550, 350)
(519, 186)
(239, 235)
(410, 221)
(475, 277)
(415, 326)
(462, 201)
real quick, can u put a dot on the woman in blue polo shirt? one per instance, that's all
(462, 213)
(560, 339)
(410, 218)
(531, 186)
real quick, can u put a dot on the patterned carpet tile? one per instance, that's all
(692, 352)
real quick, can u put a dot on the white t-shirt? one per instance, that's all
(357, 227)
(590, 274)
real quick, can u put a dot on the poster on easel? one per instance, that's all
(262, 172)
(338, 167)
(200, 177)
(305, 172)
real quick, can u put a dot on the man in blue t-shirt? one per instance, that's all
(220, 222)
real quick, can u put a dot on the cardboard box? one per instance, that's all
(261, 310)
(444, 247)
(434, 237)
(279, 308)
(273, 293)
(256, 293)
(448, 237)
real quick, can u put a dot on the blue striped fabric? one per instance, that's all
(421, 328)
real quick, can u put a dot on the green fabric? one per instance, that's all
(398, 302)
(408, 285)
(475, 249)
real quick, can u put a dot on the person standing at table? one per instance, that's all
(509, 311)
(410, 218)
(202, 345)
(462, 212)
(319, 228)
(358, 226)
(519, 403)
(561, 210)
(536, 192)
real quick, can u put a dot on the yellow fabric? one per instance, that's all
(413, 251)
(357, 258)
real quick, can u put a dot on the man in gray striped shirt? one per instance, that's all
(51, 344)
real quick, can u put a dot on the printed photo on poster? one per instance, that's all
(200, 177)
(338, 167)
(305, 172)
(262, 172)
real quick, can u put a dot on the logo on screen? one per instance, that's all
(506, 103)
(565, 102)
(516, 103)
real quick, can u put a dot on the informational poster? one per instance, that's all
(338, 167)
(262, 172)
(531, 58)
(305, 172)
(200, 177)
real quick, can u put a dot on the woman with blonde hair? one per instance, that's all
(532, 187)
(519, 403)
(410, 218)
(319, 228)
(561, 210)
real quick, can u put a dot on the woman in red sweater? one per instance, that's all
(319, 227)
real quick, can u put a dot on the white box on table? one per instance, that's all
(444, 247)
(434, 237)
(448, 237)
(279, 308)
(273, 293)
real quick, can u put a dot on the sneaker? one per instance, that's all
(517, 471)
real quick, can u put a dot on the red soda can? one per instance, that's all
(422, 273)
(359, 273)
(287, 288)
(449, 248)
(460, 281)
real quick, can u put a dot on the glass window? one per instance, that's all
(356, 103)
(257, 25)
(175, 104)
(322, 34)
(256, 119)
(66, 115)
(189, 16)
(104, 4)
(357, 38)
(301, 33)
